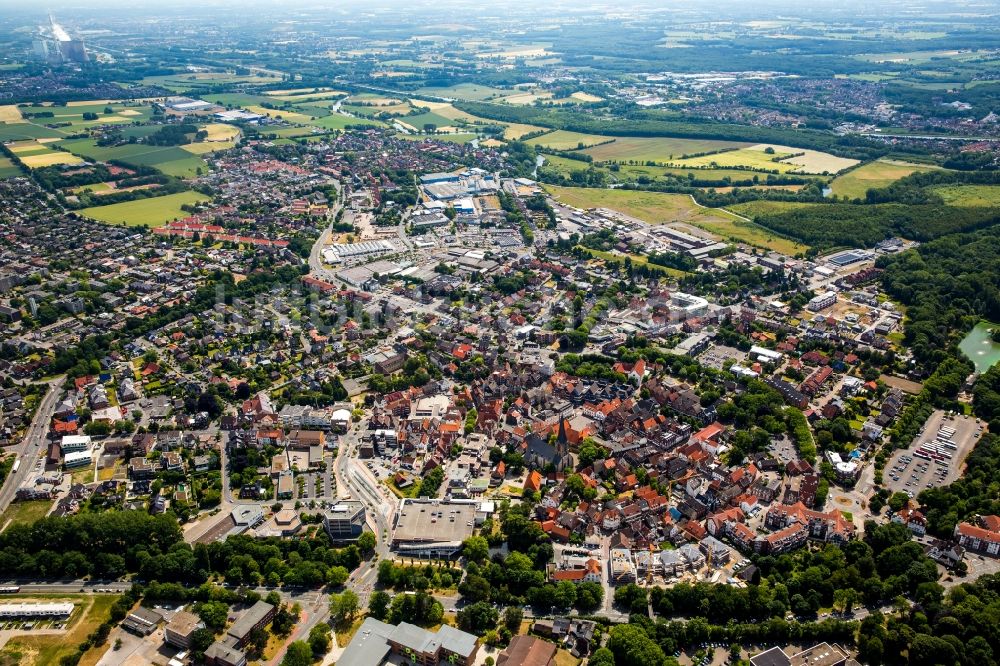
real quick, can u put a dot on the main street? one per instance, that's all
(33, 442)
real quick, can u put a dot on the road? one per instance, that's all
(33, 443)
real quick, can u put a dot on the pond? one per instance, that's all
(979, 346)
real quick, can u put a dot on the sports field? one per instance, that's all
(660, 208)
(880, 173)
(969, 195)
(152, 212)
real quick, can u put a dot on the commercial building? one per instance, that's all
(74, 443)
(142, 621)
(344, 521)
(255, 617)
(35, 611)
(821, 654)
(432, 528)
(375, 641)
(181, 627)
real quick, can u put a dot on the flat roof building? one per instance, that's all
(375, 640)
(142, 621)
(255, 617)
(344, 521)
(432, 528)
(181, 627)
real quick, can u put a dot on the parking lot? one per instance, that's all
(930, 461)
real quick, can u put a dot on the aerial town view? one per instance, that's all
(534, 334)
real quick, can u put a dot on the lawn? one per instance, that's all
(880, 173)
(25, 512)
(969, 195)
(153, 212)
(637, 260)
(42, 650)
(660, 208)
(656, 149)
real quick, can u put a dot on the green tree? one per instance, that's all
(299, 653)
(378, 604)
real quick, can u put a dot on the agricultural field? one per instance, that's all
(10, 113)
(337, 121)
(969, 195)
(784, 159)
(204, 147)
(171, 160)
(282, 114)
(564, 140)
(35, 155)
(220, 132)
(8, 169)
(193, 82)
(458, 118)
(152, 212)
(659, 208)
(467, 91)
(458, 137)
(880, 173)
(26, 130)
(656, 149)
(42, 649)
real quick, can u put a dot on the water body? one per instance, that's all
(979, 346)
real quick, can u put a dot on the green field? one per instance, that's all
(855, 183)
(467, 91)
(193, 82)
(171, 160)
(418, 121)
(563, 140)
(753, 208)
(152, 212)
(659, 208)
(19, 131)
(656, 149)
(24, 513)
(464, 137)
(8, 169)
(969, 195)
(338, 121)
(751, 159)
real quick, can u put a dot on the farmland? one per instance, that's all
(655, 149)
(855, 183)
(659, 208)
(8, 169)
(466, 91)
(193, 82)
(9, 113)
(171, 160)
(35, 155)
(783, 159)
(563, 140)
(753, 208)
(152, 212)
